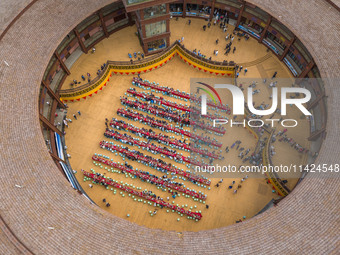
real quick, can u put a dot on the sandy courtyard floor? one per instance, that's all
(85, 133)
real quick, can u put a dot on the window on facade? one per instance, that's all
(251, 24)
(49, 66)
(302, 49)
(65, 42)
(154, 11)
(88, 21)
(156, 45)
(254, 12)
(233, 3)
(112, 7)
(130, 2)
(277, 41)
(155, 28)
(295, 59)
(282, 29)
(316, 72)
(176, 7)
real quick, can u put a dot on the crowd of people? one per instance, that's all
(102, 179)
(162, 182)
(171, 115)
(290, 141)
(151, 147)
(158, 164)
(88, 77)
(162, 125)
(160, 138)
(168, 91)
(151, 98)
(231, 186)
(137, 55)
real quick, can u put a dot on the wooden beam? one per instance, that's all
(131, 22)
(307, 69)
(48, 124)
(285, 52)
(63, 66)
(184, 13)
(53, 111)
(56, 157)
(316, 101)
(81, 43)
(331, 2)
(240, 14)
(316, 134)
(100, 14)
(53, 95)
(263, 34)
(212, 9)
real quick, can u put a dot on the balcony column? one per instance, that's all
(212, 9)
(290, 43)
(240, 14)
(263, 34)
(100, 14)
(80, 41)
(61, 62)
(53, 95)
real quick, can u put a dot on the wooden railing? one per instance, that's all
(272, 176)
(147, 64)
